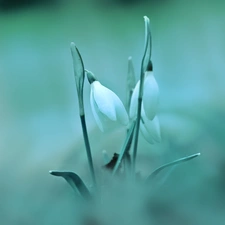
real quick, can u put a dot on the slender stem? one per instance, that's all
(88, 149)
(144, 65)
(125, 148)
(129, 99)
(136, 134)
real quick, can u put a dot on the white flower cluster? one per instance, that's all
(106, 106)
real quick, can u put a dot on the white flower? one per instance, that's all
(134, 101)
(150, 129)
(150, 97)
(106, 106)
(149, 124)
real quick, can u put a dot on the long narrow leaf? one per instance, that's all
(75, 182)
(157, 171)
(131, 82)
(78, 67)
(148, 45)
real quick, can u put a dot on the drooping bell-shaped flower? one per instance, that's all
(150, 97)
(105, 104)
(150, 129)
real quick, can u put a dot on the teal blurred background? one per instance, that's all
(40, 128)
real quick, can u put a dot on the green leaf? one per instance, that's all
(79, 74)
(146, 59)
(130, 81)
(75, 182)
(126, 147)
(148, 45)
(130, 75)
(153, 175)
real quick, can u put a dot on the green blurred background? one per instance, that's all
(40, 128)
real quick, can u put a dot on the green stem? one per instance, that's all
(136, 134)
(178, 161)
(125, 148)
(88, 149)
(144, 65)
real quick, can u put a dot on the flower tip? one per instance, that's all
(72, 45)
(52, 172)
(75, 52)
(130, 58)
(146, 19)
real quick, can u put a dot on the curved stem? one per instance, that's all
(144, 65)
(136, 134)
(88, 149)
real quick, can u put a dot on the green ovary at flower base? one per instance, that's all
(105, 104)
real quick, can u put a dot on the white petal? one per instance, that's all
(95, 112)
(106, 106)
(150, 95)
(145, 134)
(152, 127)
(104, 99)
(134, 101)
(121, 113)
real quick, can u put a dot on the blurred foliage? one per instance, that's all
(6, 5)
(40, 128)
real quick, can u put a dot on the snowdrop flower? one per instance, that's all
(149, 123)
(150, 97)
(150, 129)
(105, 104)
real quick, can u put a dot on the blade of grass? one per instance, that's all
(79, 75)
(181, 160)
(74, 181)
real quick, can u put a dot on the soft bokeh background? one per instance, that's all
(40, 128)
